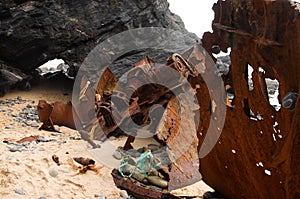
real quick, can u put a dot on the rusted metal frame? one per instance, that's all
(260, 41)
(237, 129)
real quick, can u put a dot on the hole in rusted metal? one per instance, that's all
(248, 77)
(268, 172)
(273, 92)
(259, 164)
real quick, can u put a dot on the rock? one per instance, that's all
(20, 191)
(133, 153)
(141, 150)
(153, 147)
(61, 141)
(9, 127)
(34, 125)
(56, 127)
(223, 64)
(73, 35)
(53, 172)
(117, 155)
(41, 139)
(124, 194)
(41, 149)
(15, 149)
(100, 196)
(42, 197)
(26, 144)
(289, 100)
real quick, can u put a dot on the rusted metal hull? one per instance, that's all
(257, 154)
(256, 158)
(139, 190)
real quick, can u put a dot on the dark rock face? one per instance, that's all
(33, 32)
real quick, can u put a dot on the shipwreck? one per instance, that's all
(242, 146)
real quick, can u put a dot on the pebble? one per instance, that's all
(26, 144)
(41, 149)
(100, 196)
(153, 147)
(56, 128)
(26, 116)
(56, 134)
(61, 141)
(117, 155)
(9, 127)
(124, 194)
(133, 153)
(20, 191)
(141, 150)
(15, 149)
(53, 173)
(41, 139)
(43, 197)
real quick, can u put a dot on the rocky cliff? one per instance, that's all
(33, 32)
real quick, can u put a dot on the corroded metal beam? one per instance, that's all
(257, 158)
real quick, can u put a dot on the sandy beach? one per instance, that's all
(27, 169)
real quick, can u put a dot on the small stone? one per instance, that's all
(41, 149)
(9, 127)
(26, 144)
(43, 197)
(20, 191)
(34, 125)
(117, 155)
(124, 194)
(15, 149)
(61, 141)
(56, 128)
(53, 173)
(153, 147)
(100, 196)
(141, 150)
(41, 139)
(29, 106)
(133, 153)
(289, 101)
